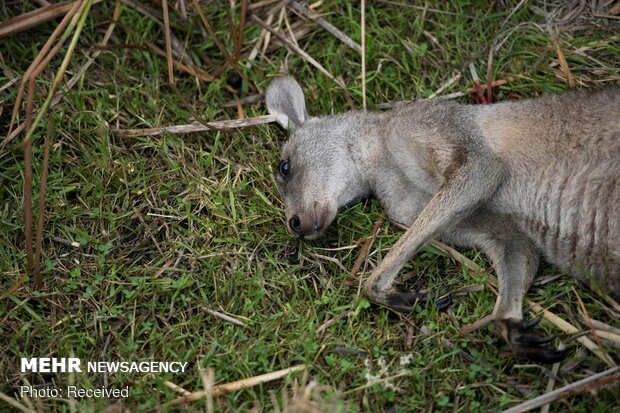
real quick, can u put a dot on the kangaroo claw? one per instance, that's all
(527, 343)
(404, 301)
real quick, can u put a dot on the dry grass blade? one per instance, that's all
(15, 404)
(365, 249)
(298, 50)
(27, 143)
(37, 61)
(39, 237)
(570, 329)
(210, 30)
(164, 6)
(244, 8)
(589, 323)
(196, 127)
(82, 13)
(35, 18)
(192, 70)
(596, 381)
(562, 60)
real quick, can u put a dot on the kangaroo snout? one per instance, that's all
(310, 224)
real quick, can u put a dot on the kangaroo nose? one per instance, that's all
(295, 224)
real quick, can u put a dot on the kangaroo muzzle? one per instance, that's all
(310, 223)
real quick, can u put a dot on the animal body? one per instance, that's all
(514, 179)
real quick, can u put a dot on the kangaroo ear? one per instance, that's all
(285, 100)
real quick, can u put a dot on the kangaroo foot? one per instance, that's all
(529, 344)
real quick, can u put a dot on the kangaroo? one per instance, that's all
(514, 179)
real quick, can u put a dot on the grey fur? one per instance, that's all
(513, 178)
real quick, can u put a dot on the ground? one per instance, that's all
(146, 237)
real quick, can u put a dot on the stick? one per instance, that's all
(551, 382)
(589, 383)
(195, 127)
(224, 317)
(297, 50)
(476, 324)
(456, 76)
(234, 386)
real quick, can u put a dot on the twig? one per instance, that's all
(332, 321)
(494, 83)
(456, 76)
(175, 387)
(9, 84)
(224, 317)
(208, 377)
(599, 325)
(472, 70)
(195, 127)
(297, 50)
(328, 259)
(234, 386)
(551, 382)
(66, 242)
(481, 322)
(363, 255)
(595, 381)
(248, 100)
(328, 26)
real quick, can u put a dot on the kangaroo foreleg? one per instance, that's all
(463, 191)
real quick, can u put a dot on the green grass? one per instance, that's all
(170, 225)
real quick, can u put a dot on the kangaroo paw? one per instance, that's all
(404, 301)
(529, 344)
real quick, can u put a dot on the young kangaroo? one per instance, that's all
(513, 179)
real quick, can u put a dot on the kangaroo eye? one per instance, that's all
(284, 168)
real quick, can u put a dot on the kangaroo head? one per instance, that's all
(317, 173)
